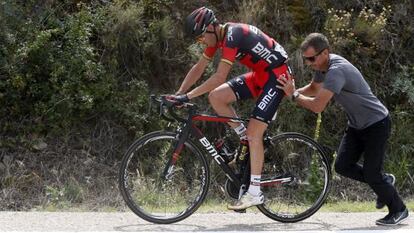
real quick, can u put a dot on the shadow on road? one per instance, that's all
(313, 226)
(375, 227)
(160, 227)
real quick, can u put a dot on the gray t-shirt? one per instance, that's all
(352, 92)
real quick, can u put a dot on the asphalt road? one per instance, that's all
(213, 222)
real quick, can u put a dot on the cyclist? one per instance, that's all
(267, 61)
(369, 122)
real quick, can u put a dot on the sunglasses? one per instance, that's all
(201, 37)
(313, 58)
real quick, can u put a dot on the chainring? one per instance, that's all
(231, 189)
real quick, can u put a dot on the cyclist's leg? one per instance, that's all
(227, 93)
(255, 131)
(220, 99)
(264, 112)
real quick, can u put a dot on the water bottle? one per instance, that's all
(244, 150)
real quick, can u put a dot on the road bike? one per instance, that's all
(164, 175)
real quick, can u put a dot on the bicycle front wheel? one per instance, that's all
(157, 190)
(295, 179)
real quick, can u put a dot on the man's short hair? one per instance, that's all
(315, 40)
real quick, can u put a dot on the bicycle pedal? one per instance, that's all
(243, 211)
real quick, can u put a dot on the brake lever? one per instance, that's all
(162, 111)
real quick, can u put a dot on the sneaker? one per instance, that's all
(389, 178)
(246, 201)
(393, 219)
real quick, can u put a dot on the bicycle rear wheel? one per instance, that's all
(295, 179)
(154, 189)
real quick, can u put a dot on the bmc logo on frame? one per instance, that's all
(211, 150)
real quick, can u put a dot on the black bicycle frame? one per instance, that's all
(190, 128)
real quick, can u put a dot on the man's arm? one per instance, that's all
(316, 104)
(193, 75)
(214, 81)
(311, 89)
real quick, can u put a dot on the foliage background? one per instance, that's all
(75, 76)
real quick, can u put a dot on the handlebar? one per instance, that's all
(171, 107)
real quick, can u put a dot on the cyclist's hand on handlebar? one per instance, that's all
(178, 100)
(182, 98)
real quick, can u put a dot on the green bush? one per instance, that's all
(75, 76)
(403, 85)
(401, 150)
(54, 74)
(146, 41)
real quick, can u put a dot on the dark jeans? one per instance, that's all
(372, 142)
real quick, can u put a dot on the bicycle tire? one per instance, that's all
(153, 196)
(297, 156)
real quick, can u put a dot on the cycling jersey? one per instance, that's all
(250, 46)
(264, 56)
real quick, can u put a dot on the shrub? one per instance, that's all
(54, 74)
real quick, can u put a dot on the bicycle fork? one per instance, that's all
(182, 136)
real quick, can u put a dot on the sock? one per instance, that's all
(241, 131)
(254, 187)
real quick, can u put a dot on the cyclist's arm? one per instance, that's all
(311, 89)
(214, 81)
(193, 75)
(315, 104)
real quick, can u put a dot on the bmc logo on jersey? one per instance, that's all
(264, 53)
(254, 29)
(267, 99)
(230, 34)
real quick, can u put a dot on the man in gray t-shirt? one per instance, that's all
(352, 92)
(369, 123)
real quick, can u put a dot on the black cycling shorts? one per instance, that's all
(261, 85)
